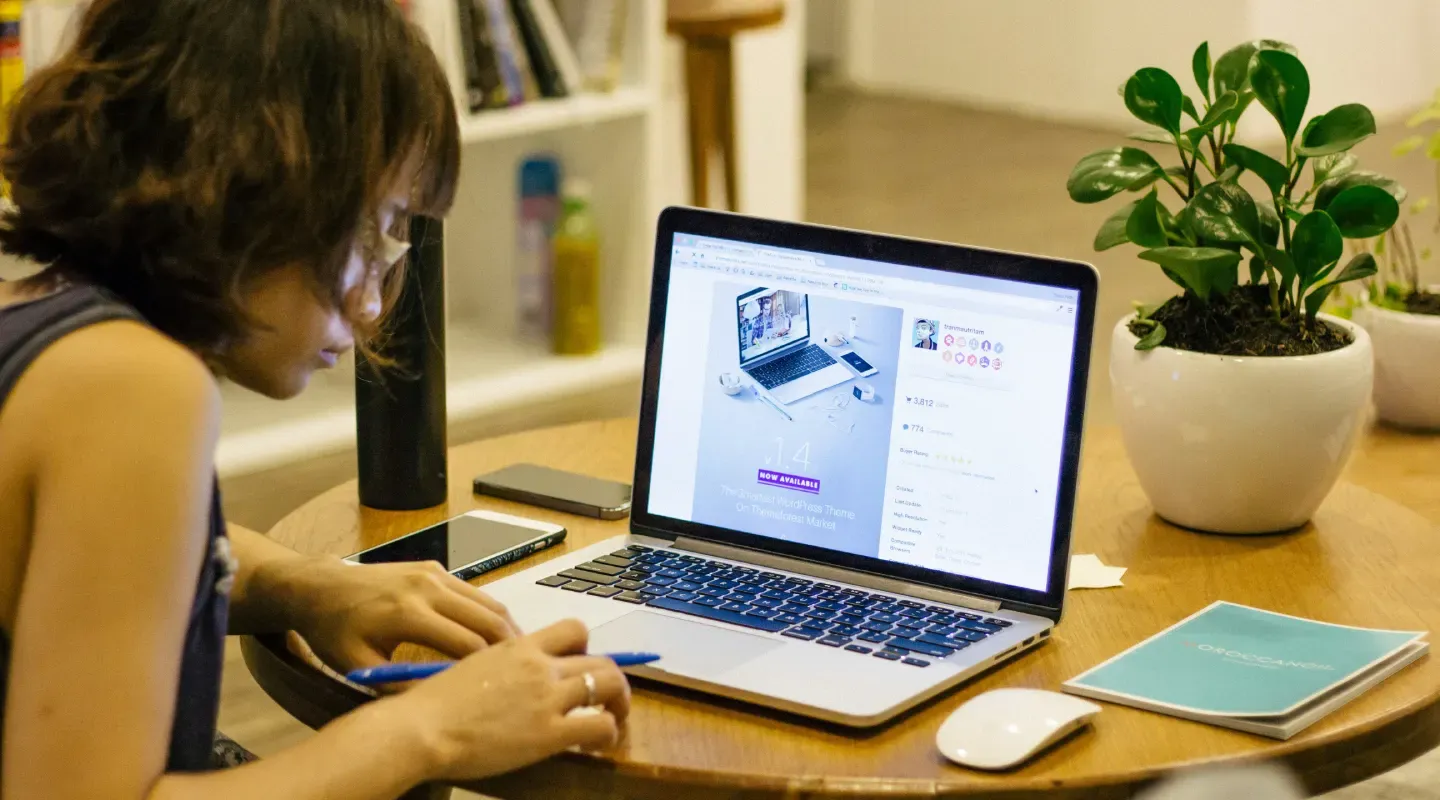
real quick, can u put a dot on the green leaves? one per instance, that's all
(1408, 145)
(1188, 106)
(1152, 135)
(1363, 211)
(1225, 212)
(1145, 226)
(1293, 247)
(1204, 270)
(1219, 113)
(1315, 246)
(1232, 69)
(1334, 166)
(1153, 96)
(1337, 130)
(1269, 223)
(1282, 85)
(1331, 188)
(1106, 173)
(1268, 169)
(1154, 337)
(1112, 231)
(1200, 65)
(1361, 266)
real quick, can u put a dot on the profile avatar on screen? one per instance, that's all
(925, 334)
(773, 330)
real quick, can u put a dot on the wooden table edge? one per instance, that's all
(1330, 761)
(1335, 760)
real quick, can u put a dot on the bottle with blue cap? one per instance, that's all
(539, 213)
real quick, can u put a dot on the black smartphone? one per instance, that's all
(860, 365)
(468, 545)
(562, 491)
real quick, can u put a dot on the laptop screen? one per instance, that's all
(769, 319)
(941, 450)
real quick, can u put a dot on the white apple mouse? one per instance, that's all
(1004, 728)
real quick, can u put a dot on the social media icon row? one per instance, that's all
(975, 344)
(972, 360)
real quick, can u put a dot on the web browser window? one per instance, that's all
(944, 454)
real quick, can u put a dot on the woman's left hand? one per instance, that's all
(354, 616)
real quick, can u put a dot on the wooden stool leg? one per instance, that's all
(725, 110)
(700, 90)
(427, 793)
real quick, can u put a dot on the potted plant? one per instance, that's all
(1401, 314)
(1238, 401)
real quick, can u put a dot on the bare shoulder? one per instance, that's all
(116, 374)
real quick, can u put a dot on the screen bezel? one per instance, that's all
(822, 240)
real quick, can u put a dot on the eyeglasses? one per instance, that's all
(391, 248)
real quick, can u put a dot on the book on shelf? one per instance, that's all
(509, 52)
(597, 29)
(484, 86)
(542, 60)
(515, 51)
(559, 45)
(1251, 670)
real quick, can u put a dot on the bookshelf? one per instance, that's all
(618, 141)
(543, 116)
(611, 139)
(487, 374)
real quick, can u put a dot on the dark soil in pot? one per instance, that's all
(1240, 323)
(1423, 303)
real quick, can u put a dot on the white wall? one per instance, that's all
(1064, 60)
(825, 30)
(770, 120)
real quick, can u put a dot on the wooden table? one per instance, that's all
(1365, 560)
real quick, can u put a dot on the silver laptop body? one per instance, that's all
(908, 530)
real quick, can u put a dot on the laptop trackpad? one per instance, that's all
(687, 648)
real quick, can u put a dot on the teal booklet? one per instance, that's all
(1251, 670)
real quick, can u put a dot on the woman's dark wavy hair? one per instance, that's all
(180, 148)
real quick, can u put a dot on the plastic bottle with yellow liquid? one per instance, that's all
(12, 64)
(575, 320)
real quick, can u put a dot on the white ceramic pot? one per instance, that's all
(1233, 444)
(1407, 366)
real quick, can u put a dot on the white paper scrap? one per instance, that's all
(1087, 572)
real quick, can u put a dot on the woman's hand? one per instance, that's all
(354, 616)
(510, 705)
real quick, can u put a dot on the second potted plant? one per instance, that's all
(1401, 314)
(1238, 401)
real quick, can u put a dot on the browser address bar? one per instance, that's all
(894, 288)
(760, 261)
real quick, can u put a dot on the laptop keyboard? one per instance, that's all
(796, 365)
(878, 625)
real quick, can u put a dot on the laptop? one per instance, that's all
(853, 554)
(773, 328)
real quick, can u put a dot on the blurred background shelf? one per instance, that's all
(628, 143)
(543, 116)
(485, 375)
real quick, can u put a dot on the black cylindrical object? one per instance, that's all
(400, 409)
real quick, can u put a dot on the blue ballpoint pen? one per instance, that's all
(395, 673)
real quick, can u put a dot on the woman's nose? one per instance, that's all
(368, 302)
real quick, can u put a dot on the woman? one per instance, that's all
(212, 187)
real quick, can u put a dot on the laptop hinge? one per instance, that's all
(826, 572)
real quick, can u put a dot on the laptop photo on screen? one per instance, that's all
(885, 515)
(773, 326)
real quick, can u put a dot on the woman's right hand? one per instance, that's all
(509, 705)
